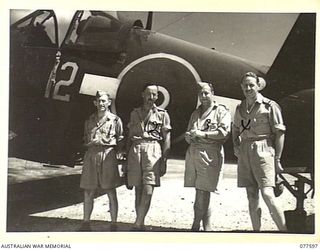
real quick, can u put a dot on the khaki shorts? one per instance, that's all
(144, 163)
(100, 169)
(203, 166)
(256, 164)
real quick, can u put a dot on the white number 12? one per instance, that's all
(65, 97)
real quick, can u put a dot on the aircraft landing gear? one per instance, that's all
(296, 220)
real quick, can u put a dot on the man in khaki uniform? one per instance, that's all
(258, 137)
(148, 147)
(208, 128)
(102, 135)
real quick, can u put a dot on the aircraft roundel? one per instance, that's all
(177, 81)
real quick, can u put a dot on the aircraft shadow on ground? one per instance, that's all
(42, 195)
(48, 194)
(44, 224)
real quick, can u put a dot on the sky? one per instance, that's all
(256, 37)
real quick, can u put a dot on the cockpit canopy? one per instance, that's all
(97, 30)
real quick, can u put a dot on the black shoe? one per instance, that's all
(195, 228)
(85, 227)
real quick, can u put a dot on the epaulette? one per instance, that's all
(114, 116)
(267, 101)
(160, 109)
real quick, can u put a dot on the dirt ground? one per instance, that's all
(48, 199)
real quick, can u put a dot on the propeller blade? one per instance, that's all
(149, 20)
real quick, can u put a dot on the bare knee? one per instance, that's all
(112, 193)
(267, 194)
(88, 195)
(148, 190)
(138, 190)
(202, 194)
(253, 195)
(202, 199)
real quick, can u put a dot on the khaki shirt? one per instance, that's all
(218, 118)
(151, 127)
(109, 129)
(261, 122)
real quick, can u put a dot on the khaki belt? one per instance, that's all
(255, 139)
(138, 141)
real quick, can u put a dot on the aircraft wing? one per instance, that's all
(293, 69)
(291, 82)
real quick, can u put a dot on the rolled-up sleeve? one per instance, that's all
(236, 127)
(166, 126)
(236, 119)
(119, 130)
(224, 125)
(87, 135)
(276, 119)
(129, 125)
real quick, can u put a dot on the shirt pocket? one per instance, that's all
(210, 125)
(154, 124)
(261, 124)
(213, 126)
(106, 131)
